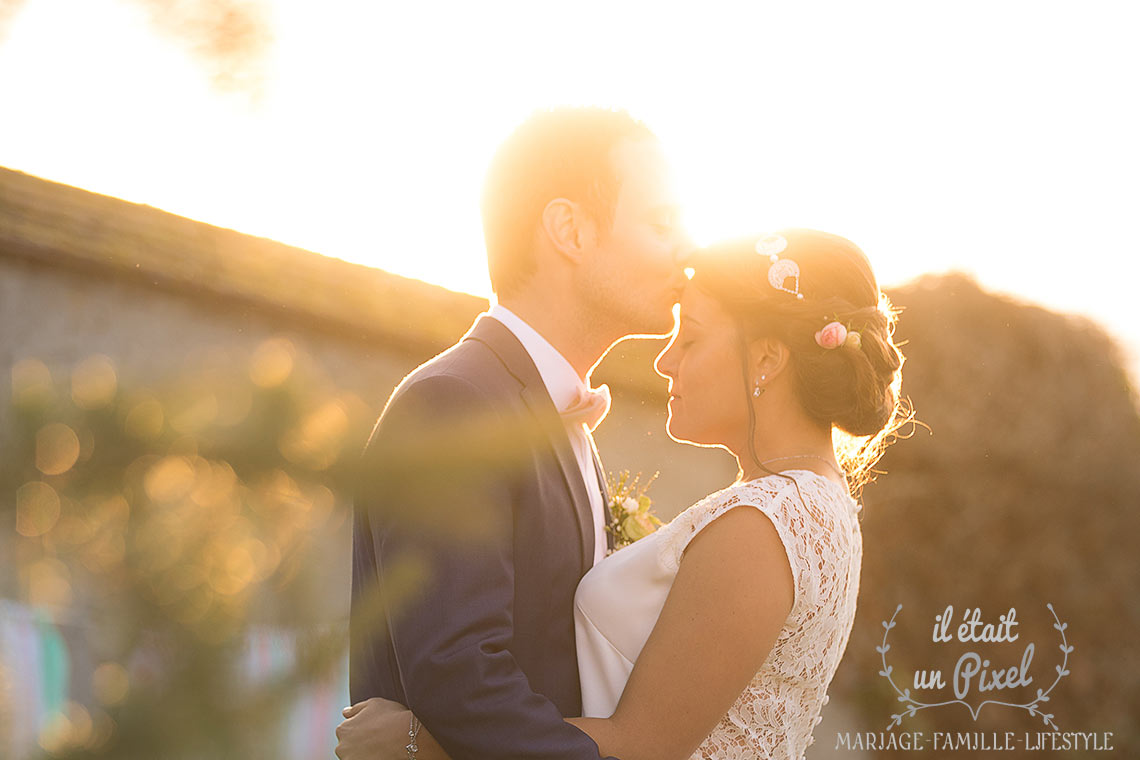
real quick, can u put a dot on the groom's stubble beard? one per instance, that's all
(619, 308)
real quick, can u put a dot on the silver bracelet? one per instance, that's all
(413, 731)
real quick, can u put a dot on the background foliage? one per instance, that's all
(168, 522)
(1025, 491)
(172, 519)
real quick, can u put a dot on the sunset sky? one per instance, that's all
(998, 139)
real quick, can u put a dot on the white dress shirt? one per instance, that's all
(564, 386)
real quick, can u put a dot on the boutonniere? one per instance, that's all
(631, 515)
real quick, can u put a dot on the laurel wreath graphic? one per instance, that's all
(1033, 706)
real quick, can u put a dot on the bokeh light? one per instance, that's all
(93, 382)
(31, 383)
(57, 449)
(272, 362)
(37, 508)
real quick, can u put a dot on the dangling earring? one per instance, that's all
(757, 390)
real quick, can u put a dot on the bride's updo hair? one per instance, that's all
(854, 387)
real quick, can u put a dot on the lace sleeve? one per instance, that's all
(769, 496)
(819, 530)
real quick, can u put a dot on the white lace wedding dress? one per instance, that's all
(619, 600)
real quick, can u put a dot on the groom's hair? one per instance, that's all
(557, 153)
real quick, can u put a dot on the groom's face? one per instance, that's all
(635, 272)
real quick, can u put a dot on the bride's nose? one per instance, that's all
(665, 365)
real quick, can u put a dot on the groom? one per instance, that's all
(479, 501)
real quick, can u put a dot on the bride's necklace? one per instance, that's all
(834, 469)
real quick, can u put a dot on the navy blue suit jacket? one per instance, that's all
(472, 529)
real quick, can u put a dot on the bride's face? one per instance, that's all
(707, 396)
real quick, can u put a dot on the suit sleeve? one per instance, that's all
(436, 482)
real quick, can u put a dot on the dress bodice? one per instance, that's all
(619, 600)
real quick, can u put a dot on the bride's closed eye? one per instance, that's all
(687, 335)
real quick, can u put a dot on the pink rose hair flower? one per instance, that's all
(833, 335)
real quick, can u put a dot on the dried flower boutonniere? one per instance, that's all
(631, 515)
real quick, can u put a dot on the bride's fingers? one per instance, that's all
(374, 705)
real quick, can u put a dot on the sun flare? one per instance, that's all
(363, 131)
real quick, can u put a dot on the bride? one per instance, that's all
(718, 635)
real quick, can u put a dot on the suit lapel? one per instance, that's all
(507, 347)
(604, 486)
(607, 497)
(539, 401)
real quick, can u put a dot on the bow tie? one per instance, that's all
(589, 407)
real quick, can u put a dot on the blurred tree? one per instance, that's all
(8, 11)
(228, 38)
(166, 522)
(1025, 491)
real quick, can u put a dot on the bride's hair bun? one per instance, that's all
(853, 386)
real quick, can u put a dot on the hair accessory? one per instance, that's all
(771, 246)
(779, 273)
(781, 269)
(833, 335)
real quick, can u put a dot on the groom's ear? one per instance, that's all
(567, 227)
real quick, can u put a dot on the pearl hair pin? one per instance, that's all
(781, 270)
